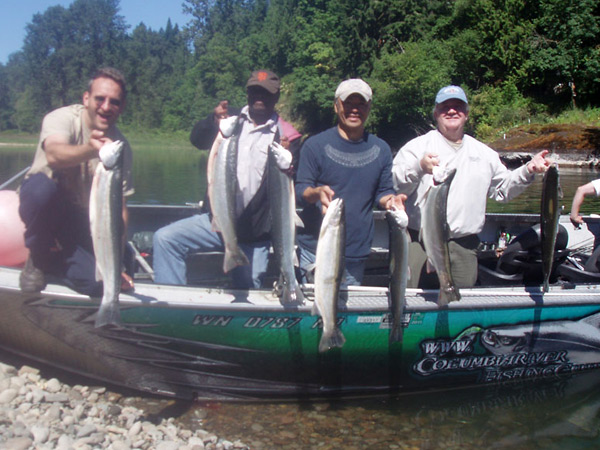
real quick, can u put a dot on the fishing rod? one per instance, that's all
(14, 178)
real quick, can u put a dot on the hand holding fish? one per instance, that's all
(428, 162)
(539, 163)
(126, 282)
(393, 202)
(323, 194)
(220, 110)
(98, 140)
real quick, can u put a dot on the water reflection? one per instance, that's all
(530, 200)
(178, 175)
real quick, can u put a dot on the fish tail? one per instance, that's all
(330, 340)
(108, 314)
(292, 295)
(546, 286)
(234, 258)
(448, 295)
(397, 332)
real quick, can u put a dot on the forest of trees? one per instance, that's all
(515, 58)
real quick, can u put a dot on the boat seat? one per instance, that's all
(576, 270)
(521, 261)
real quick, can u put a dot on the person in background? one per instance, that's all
(54, 196)
(258, 126)
(205, 131)
(479, 174)
(585, 190)
(345, 161)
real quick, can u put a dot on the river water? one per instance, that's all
(560, 413)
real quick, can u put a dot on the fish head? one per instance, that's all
(281, 156)
(443, 174)
(227, 126)
(109, 153)
(335, 214)
(505, 341)
(397, 217)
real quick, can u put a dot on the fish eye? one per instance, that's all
(506, 340)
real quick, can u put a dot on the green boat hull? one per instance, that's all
(212, 344)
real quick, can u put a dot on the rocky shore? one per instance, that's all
(38, 413)
(569, 145)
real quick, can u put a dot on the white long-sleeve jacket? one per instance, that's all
(479, 174)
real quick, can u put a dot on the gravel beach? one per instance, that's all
(38, 413)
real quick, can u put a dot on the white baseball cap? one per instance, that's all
(353, 86)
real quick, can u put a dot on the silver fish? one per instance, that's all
(580, 338)
(549, 217)
(222, 195)
(282, 201)
(330, 259)
(398, 258)
(106, 226)
(435, 234)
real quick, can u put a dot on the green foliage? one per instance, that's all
(499, 107)
(404, 85)
(516, 58)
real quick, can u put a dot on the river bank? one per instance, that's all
(39, 413)
(569, 144)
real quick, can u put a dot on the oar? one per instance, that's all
(16, 177)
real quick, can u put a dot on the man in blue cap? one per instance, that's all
(479, 174)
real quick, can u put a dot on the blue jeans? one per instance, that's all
(49, 218)
(354, 269)
(174, 242)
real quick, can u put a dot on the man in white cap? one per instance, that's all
(479, 174)
(345, 162)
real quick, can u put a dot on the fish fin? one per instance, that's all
(310, 273)
(234, 258)
(469, 332)
(334, 339)
(298, 221)
(108, 314)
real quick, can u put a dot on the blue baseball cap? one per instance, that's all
(448, 92)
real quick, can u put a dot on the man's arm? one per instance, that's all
(580, 194)
(60, 154)
(205, 131)
(324, 194)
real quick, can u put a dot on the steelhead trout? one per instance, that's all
(435, 234)
(398, 261)
(330, 260)
(282, 201)
(106, 226)
(549, 217)
(222, 194)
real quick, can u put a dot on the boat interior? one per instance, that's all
(509, 254)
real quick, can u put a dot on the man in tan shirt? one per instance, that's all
(54, 197)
